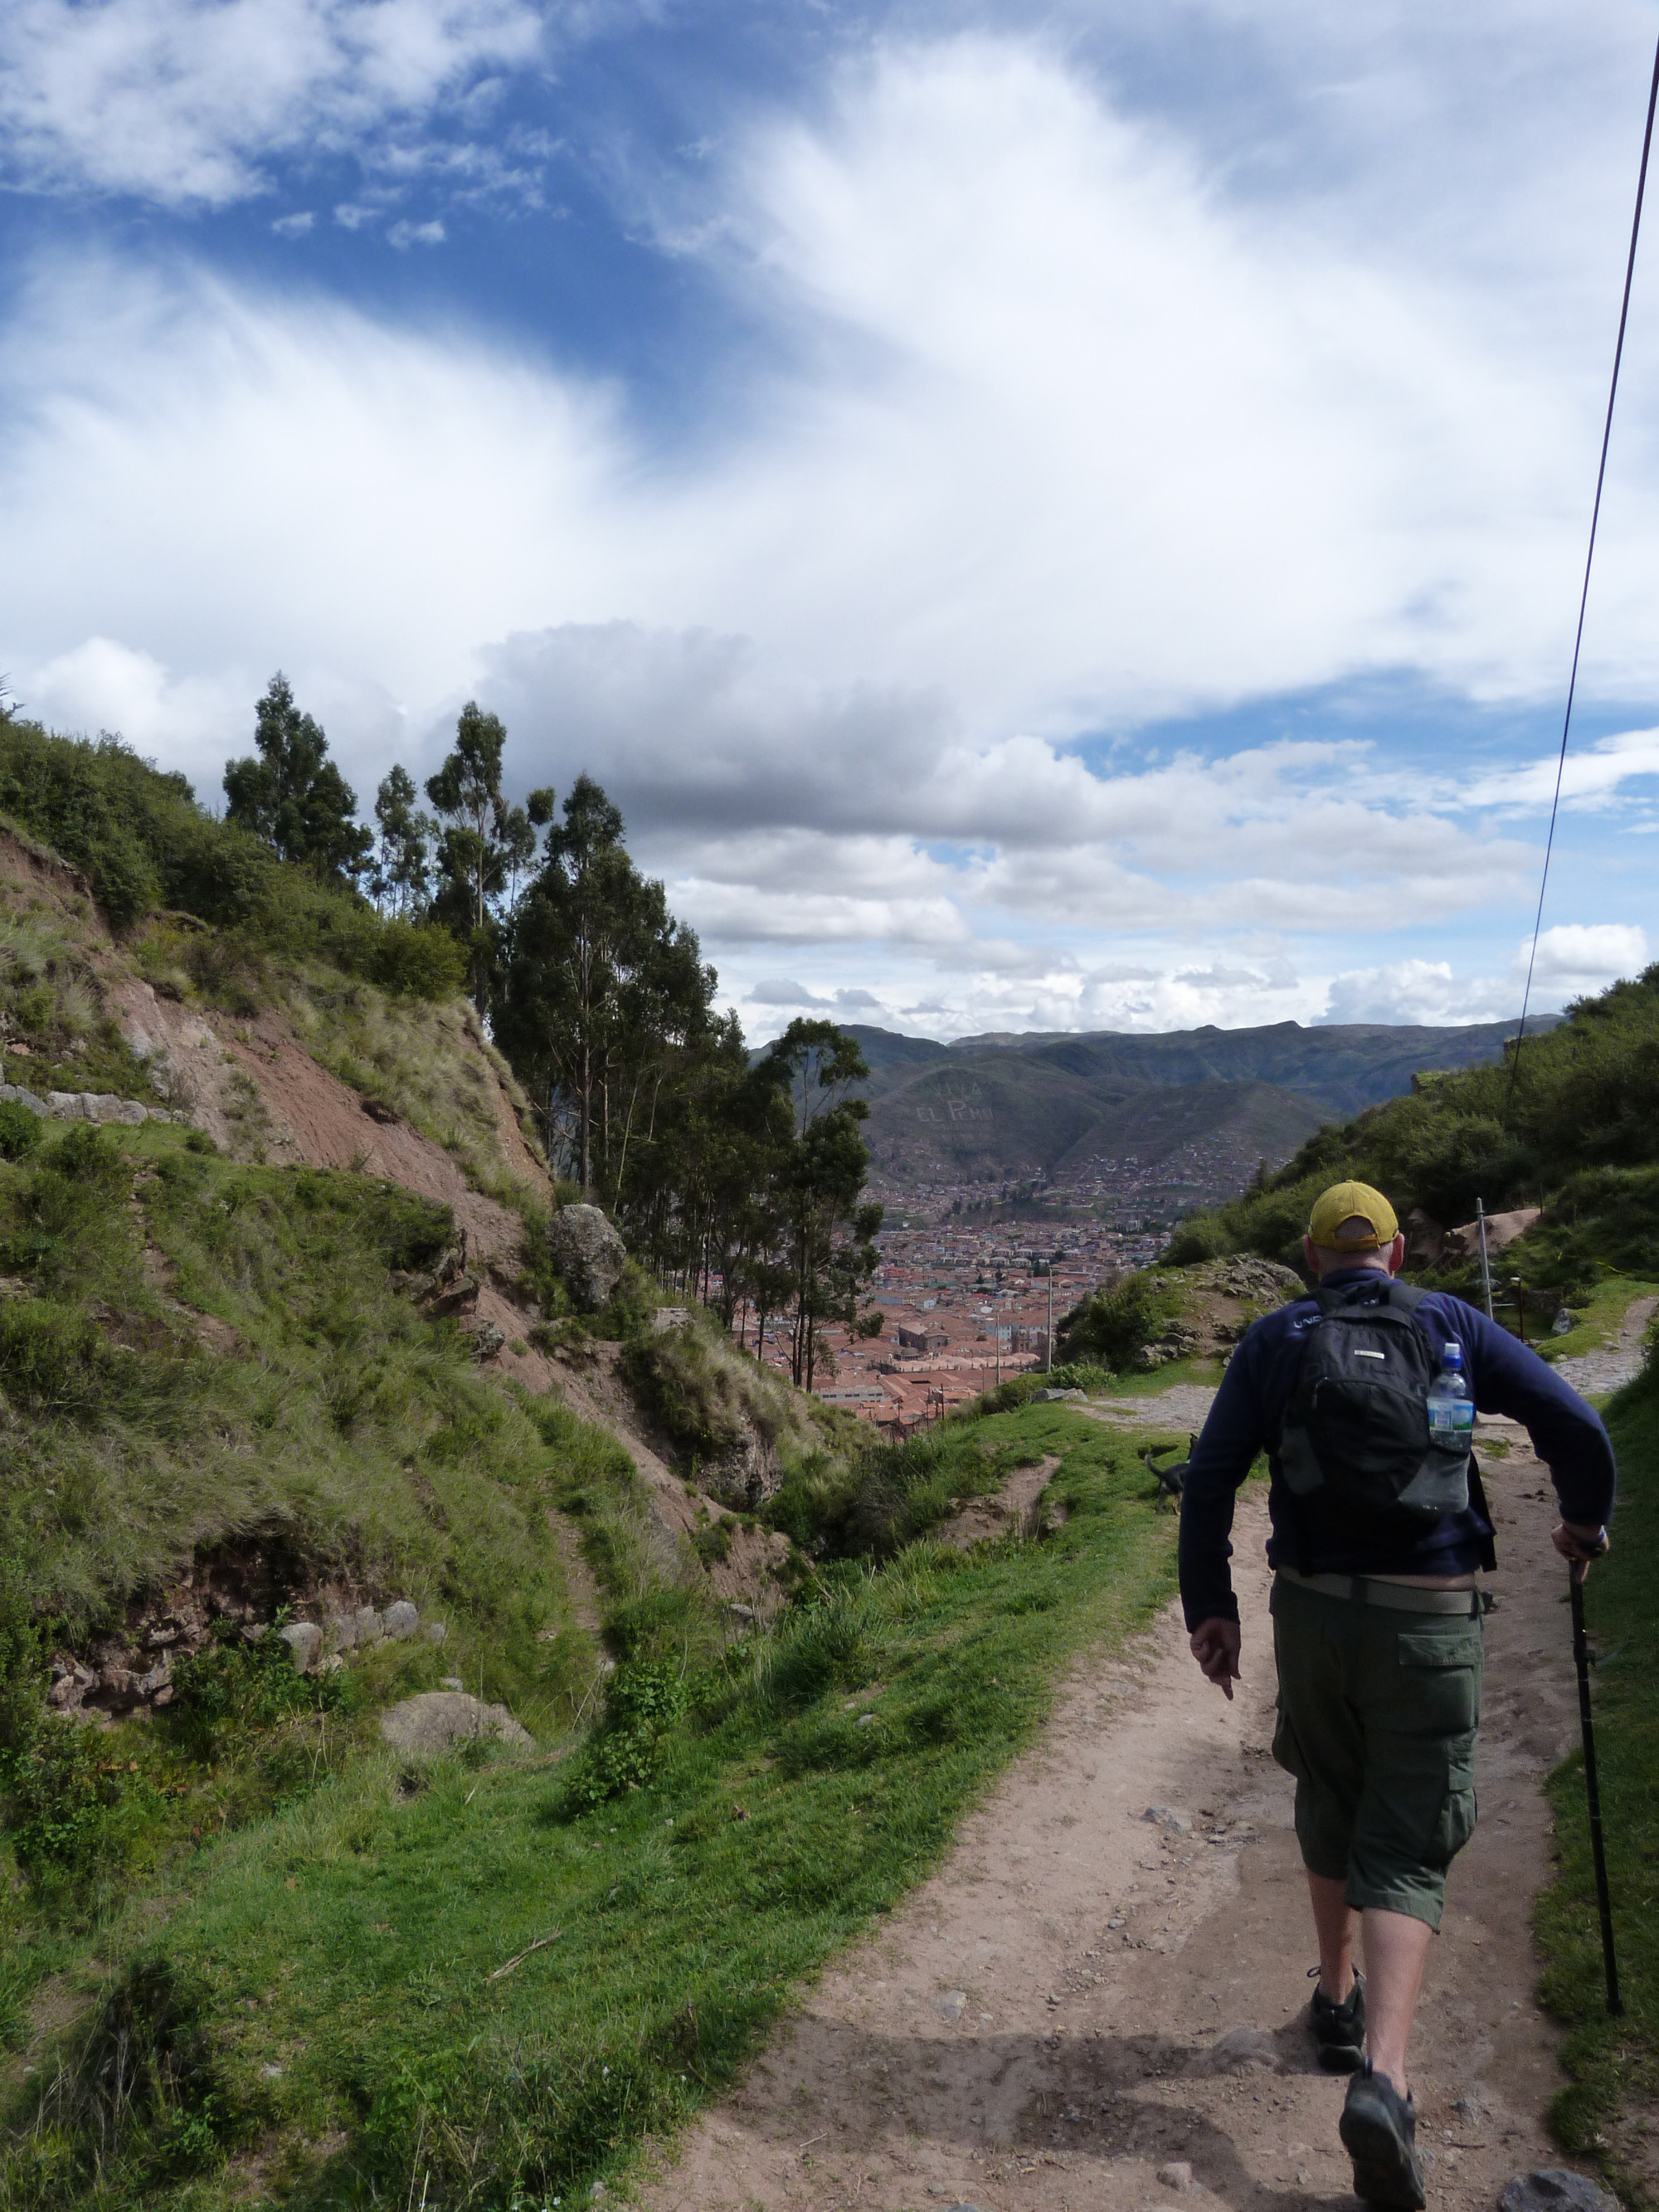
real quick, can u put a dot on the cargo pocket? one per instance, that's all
(1440, 1682)
(1286, 1749)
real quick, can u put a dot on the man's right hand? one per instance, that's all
(1580, 1545)
(1215, 1645)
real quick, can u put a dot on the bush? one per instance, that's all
(642, 1701)
(1111, 1327)
(20, 1131)
(144, 845)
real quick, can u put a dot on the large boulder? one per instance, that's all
(437, 1720)
(587, 1255)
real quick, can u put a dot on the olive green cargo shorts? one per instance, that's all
(1377, 1713)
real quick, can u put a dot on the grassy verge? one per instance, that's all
(482, 1981)
(1597, 1316)
(1613, 2065)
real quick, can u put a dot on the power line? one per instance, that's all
(1583, 595)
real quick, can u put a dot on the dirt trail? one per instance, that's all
(1032, 2028)
(1618, 1361)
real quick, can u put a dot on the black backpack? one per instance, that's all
(1355, 1447)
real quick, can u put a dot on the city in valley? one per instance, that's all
(966, 1286)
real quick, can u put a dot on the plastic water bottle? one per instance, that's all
(1451, 1409)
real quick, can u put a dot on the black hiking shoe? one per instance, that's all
(1379, 2132)
(1339, 2030)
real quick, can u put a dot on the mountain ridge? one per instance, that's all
(1111, 1109)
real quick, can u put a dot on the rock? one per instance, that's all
(13, 1094)
(159, 1677)
(1237, 2052)
(1163, 1816)
(867, 1720)
(1055, 1397)
(451, 1682)
(65, 1105)
(587, 1255)
(949, 2004)
(401, 1619)
(118, 1685)
(1176, 2175)
(487, 1338)
(65, 1691)
(741, 1612)
(436, 1631)
(342, 1631)
(438, 1720)
(1555, 2189)
(370, 1627)
(129, 1112)
(304, 1640)
(1563, 1322)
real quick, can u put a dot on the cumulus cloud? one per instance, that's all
(180, 102)
(1577, 958)
(1050, 420)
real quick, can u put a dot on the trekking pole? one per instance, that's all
(1486, 1264)
(1592, 1790)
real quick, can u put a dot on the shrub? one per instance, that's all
(642, 1702)
(1110, 1327)
(20, 1131)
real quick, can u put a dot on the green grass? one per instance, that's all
(353, 1942)
(1613, 2066)
(1597, 1315)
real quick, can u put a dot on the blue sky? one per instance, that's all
(1062, 517)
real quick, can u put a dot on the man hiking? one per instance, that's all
(1379, 1528)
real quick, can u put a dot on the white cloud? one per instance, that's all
(180, 102)
(294, 226)
(1053, 419)
(1575, 959)
(1419, 991)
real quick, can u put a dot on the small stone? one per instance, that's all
(272, 2073)
(1116, 1921)
(1177, 2175)
(1165, 1816)
(949, 2004)
(1237, 2051)
(867, 1720)
(451, 1682)
(1555, 2189)
(436, 1631)
(370, 1627)
(304, 1640)
(402, 1619)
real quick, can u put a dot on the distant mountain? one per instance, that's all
(1187, 1111)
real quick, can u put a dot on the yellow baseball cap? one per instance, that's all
(1346, 1201)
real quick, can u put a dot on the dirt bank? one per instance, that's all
(1031, 2028)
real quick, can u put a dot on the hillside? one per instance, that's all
(1191, 1112)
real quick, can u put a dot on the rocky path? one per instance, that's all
(1086, 2007)
(1594, 1373)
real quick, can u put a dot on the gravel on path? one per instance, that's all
(1593, 1374)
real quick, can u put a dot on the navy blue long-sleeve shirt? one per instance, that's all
(1504, 1376)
